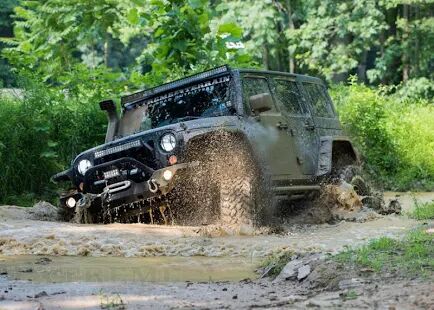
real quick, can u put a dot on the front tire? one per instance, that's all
(237, 201)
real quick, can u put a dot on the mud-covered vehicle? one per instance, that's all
(206, 148)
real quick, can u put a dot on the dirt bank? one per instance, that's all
(371, 293)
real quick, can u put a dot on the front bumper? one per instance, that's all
(129, 191)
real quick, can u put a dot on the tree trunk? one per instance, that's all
(107, 49)
(405, 35)
(361, 68)
(265, 58)
(291, 27)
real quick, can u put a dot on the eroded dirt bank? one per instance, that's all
(22, 235)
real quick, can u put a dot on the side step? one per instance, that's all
(295, 188)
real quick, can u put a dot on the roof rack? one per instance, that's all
(145, 94)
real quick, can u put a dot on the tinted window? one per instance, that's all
(254, 86)
(319, 100)
(288, 95)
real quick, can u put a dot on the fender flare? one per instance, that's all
(330, 149)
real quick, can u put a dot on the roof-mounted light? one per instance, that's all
(133, 98)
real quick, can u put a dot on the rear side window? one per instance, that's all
(254, 86)
(319, 99)
(288, 95)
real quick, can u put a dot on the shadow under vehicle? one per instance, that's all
(205, 148)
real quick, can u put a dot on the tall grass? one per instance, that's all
(395, 136)
(40, 135)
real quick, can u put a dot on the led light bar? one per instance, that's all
(133, 98)
(116, 149)
(111, 174)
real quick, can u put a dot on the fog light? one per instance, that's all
(167, 175)
(71, 202)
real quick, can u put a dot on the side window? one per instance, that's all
(319, 100)
(254, 86)
(288, 95)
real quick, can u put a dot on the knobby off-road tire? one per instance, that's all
(238, 201)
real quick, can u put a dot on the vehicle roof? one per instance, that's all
(132, 99)
(300, 77)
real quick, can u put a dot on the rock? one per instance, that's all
(43, 211)
(303, 272)
(290, 271)
(43, 261)
(41, 294)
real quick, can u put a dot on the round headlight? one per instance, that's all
(168, 142)
(83, 166)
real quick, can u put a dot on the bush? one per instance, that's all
(394, 136)
(422, 211)
(41, 134)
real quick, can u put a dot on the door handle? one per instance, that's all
(281, 125)
(309, 126)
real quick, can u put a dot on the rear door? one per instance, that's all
(270, 132)
(301, 126)
(324, 115)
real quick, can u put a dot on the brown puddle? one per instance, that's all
(143, 269)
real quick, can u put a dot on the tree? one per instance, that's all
(6, 31)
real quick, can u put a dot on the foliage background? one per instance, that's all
(68, 55)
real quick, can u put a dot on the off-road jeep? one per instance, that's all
(206, 147)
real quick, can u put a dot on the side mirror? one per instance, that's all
(261, 102)
(107, 105)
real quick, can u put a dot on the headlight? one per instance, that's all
(83, 166)
(168, 142)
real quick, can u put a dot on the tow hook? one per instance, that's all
(152, 185)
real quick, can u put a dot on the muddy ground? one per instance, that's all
(52, 265)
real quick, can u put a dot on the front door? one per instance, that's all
(301, 126)
(270, 133)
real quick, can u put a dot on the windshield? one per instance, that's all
(206, 99)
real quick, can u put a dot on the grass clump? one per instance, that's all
(273, 264)
(422, 211)
(111, 302)
(411, 255)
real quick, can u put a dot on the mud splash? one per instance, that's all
(20, 235)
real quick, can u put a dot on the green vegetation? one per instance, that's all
(422, 211)
(111, 302)
(394, 133)
(68, 55)
(274, 263)
(410, 256)
(350, 295)
(40, 134)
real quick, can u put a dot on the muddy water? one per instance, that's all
(144, 269)
(22, 236)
